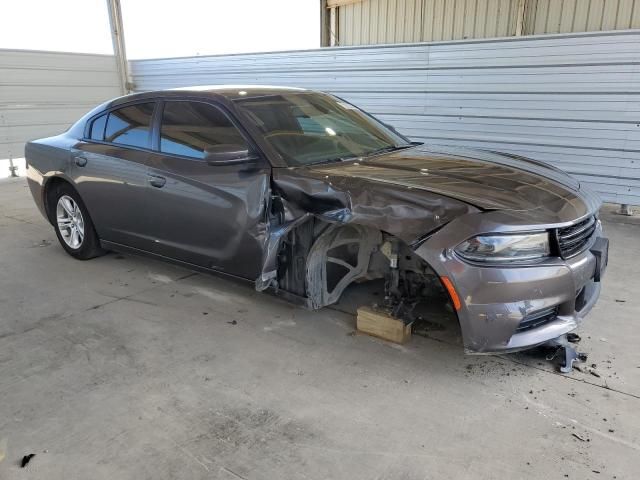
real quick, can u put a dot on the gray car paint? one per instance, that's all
(114, 176)
(213, 217)
(430, 197)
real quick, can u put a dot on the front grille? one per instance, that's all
(537, 319)
(576, 238)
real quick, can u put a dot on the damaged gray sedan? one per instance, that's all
(304, 193)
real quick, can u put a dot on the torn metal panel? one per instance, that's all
(404, 212)
(271, 249)
(338, 194)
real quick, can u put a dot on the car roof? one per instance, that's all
(230, 92)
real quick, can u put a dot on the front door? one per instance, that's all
(212, 216)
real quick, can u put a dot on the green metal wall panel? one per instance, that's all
(567, 16)
(371, 22)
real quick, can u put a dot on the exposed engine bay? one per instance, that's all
(319, 260)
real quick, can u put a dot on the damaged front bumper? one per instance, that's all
(510, 308)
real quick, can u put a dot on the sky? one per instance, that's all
(162, 28)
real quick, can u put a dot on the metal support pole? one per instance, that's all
(625, 210)
(324, 24)
(119, 50)
(520, 12)
(12, 168)
(333, 26)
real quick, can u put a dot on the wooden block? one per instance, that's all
(382, 325)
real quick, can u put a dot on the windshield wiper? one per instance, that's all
(390, 148)
(333, 160)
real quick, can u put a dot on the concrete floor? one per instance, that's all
(127, 368)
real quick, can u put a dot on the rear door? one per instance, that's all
(110, 172)
(210, 216)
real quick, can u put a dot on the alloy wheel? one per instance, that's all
(70, 221)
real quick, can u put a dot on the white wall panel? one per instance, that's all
(43, 93)
(570, 100)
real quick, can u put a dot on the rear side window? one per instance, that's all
(97, 128)
(130, 125)
(188, 128)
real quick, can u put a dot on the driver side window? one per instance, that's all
(189, 128)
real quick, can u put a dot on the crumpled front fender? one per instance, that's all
(408, 214)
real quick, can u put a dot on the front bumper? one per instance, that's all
(497, 302)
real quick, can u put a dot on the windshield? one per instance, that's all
(307, 127)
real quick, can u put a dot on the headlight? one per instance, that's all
(505, 248)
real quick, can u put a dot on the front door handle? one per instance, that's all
(81, 161)
(157, 181)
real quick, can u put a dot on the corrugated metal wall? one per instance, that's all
(403, 21)
(570, 100)
(42, 93)
(380, 21)
(565, 16)
(460, 19)
(370, 22)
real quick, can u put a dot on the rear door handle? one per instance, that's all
(81, 161)
(157, 181)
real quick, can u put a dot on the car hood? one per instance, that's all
(487, 180)
(413, 192)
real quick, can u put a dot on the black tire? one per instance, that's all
(89, 245)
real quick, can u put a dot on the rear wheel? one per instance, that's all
(73, 224)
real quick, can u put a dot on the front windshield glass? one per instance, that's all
(307, 127)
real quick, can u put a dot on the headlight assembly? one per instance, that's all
(505, 248)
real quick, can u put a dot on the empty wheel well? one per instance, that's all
(319, 260)
(341, 255)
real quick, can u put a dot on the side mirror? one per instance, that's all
(227, 154)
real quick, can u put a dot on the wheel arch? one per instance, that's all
(48, 192)
(362, 253)
(325, 287)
